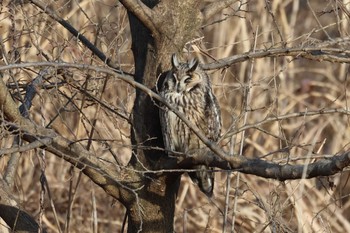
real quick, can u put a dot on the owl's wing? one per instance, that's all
(166, 129)
(213, 116)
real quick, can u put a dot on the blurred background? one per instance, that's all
(251, 95)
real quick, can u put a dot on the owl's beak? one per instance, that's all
(178, 87)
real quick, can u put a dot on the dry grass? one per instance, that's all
(248, 92)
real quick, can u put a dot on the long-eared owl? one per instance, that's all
(187, 87)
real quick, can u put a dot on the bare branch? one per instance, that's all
(12, 164)
(210, 10)
(287, 116)
(318, 21)
(143, 13)
(109, 179)
(7, 105)
(75, 33)
(317, 53)
(138, 85)
(30, 146)
(343, 8)
(323, 167)
(76, 154)
(31, 90)
(72, 152)
(268, 8)
(104, 104)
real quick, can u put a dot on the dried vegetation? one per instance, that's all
(249, 92)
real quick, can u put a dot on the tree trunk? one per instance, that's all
(153, 208)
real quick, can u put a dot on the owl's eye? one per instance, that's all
(187, 79)
(165, 86)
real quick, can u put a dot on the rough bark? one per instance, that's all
(176, 23)
(150, 197)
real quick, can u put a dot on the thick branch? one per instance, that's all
(210, 10)
(138, 85)
(323, 167)
(75, 33)
(76, 154)
(31, 89)
(27, 147)
(7, 105)
(287, 116)
(143, 13)
(312, 53)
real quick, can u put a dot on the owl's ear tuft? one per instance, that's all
(160, 81)
(175, 63)
(193, 65)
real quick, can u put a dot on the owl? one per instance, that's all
(187, 87)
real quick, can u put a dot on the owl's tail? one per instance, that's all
(204, 179)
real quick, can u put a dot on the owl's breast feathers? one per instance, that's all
(202, 110)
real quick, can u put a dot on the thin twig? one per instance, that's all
(317, 53)
(27, 147)
(79, 36)
(94, 168)
(31, 90)
(94, 212)
(318, 21)
(46, 188)
(287, 116)
(268, 7)
(247, 101)
(70, 202)
(138, 85)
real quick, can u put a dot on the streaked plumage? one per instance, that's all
(188, 87)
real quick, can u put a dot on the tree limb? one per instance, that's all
(79, 36)
(138, 85)
(143, 13)
(23, 148)
(93, 168)
(30, 93)
(317, 53)
(210, 10)
(323, 167)
(286, 116)
(7, 105)
(74, 153)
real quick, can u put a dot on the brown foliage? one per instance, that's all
(289, 108)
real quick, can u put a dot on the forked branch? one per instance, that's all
(72, 152)
(317, 53)
(324, 167)
(79, 36)
(76, 154)
(143, 13)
